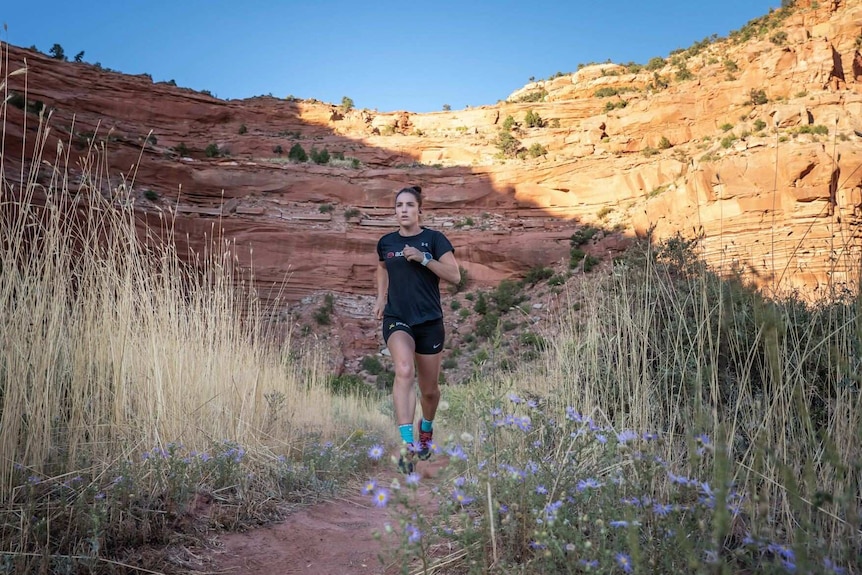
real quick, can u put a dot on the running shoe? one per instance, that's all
(425, 440)
(405, 464)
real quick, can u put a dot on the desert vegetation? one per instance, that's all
(134, 382)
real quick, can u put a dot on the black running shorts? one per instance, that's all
(428, 336)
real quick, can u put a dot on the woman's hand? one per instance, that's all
(379, 305)
(412, 254)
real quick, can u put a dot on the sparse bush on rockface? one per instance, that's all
(508, 144)
(533, 119)
(57, 52)
(297, 153)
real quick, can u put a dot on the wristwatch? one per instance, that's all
(426, 257)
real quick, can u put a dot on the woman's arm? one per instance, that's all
(446, 268)
(382, 288)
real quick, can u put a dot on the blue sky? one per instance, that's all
(414, 56)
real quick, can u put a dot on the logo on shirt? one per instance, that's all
(391, 255)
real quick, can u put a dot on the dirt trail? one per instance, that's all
(331, 538)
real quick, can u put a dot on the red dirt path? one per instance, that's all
(331, 538)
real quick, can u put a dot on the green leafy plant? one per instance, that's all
(537, 150)
(297, 153)
(757, 97)
(319, 157)
(56, 52)
(533, 119)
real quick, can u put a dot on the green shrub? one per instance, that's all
(507, 295)
(604, 212)
(819, 129)
(278, 150)
(455, 305)
(242, 129)
(319, 157)
(759, 125)
(537, 150)
(346, 104)
(606, 92)
(351, 213)
(656, 63)
(151, 195)
(726, 127)
(757, 97)
(372, 365)
(447, 107)
(349, 384)
(57, 52)
(508, 144)
(779, 37)
(557, 280)
(462, 283)
(182, 149)
(508, 123)
(537, 274)
(582, 236)
(683, 73)
(487, 324)
(533, 119)
(297, 153)
(449, 363)
(326, 208)
(480, 306)
(664, 143)
(728, 140)
(323, 314)
(534, 96)
(533, 340)
(212, 151)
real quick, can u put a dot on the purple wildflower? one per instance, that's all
(413, 534)
(369, 487)
(573, 415)
(376, 452)
(589, 483)
(455, 452)
(381, 497)
(460, 497)
(626, 436)
(625, 562)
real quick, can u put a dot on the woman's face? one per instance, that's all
(406, 209)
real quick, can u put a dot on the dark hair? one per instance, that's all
(415, 190)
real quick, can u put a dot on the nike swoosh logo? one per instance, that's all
(436, 346)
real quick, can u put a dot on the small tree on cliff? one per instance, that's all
(79, 57)
(346, 104)
(297, 153)
(57, 52)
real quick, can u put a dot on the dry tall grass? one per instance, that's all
(112, 345)
(673, 349)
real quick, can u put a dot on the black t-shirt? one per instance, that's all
(414, 290)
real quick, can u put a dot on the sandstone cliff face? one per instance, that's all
(748, 142)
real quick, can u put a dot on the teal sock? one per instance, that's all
(426, 425)
(406, 432)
